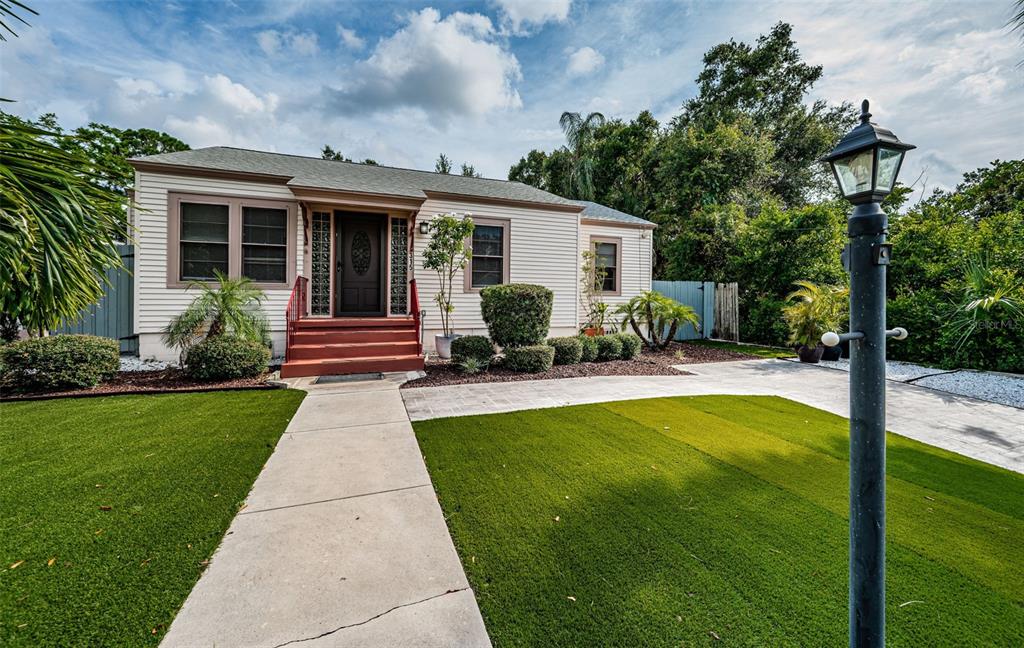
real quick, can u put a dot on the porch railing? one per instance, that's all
(295, 311)
(417, 315)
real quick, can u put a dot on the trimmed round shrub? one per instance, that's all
(630, 345)
(609, 347)
(516, 314)
(226, 357)
(530, 359)
(568, 350)
(59, 362)
(477, 347)
(589, 348)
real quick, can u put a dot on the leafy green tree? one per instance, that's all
(625, 164)
(110, 148)
(530, 170)
(225, 307)
(59, 223)
(328, 153)
(443, 164)
(469, 170)
(579, 135)
(447, 254)
(705, 245)
(767, 83)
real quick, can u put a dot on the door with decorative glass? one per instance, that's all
(359, 264)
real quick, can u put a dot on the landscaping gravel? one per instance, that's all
(132, 363)
(1005, 389)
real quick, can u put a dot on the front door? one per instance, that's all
(360, 264)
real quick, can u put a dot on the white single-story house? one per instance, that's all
(337, 248)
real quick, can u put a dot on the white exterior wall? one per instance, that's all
(637, 247)
(155, 303)
(543, 250)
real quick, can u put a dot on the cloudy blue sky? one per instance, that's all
(486, 81)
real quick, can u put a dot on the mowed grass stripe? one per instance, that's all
(660, 543)
(978, 542)
(128, 496)
(912, 461)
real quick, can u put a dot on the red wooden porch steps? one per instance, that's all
(323, 347)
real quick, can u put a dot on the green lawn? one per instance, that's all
(750, 349)
(110, 506)
(679, 521)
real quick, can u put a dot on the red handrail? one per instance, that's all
(414, 306)
(295, 311)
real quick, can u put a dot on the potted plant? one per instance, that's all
(812, 311)
(447, 255)
(593, 275)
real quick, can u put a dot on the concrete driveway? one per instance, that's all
(979, 429)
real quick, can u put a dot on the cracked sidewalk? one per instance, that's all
(341, 543)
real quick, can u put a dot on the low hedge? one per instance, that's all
(226, 357)
(59, 362)
(516, 314)
(477, 347)
(530, 359)
(609, 347)
(589, 348)
(631, 345)
(568, 350)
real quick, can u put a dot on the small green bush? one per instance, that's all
(530, 359)
(226, 357)
(568, 350)
(517, 314)
(59, 362)
(470, 365)
(609, 347)
(630, 345)
(589, 349)
(477, 347)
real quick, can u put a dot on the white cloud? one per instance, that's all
(584, 61)
(349, 38)
(521, 15)
(237, 96)
(445, 67)
(269, 41)
(272, 41)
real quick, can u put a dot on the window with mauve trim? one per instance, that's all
(203, 241)
(607, 259)
(265, 244)
(488, 262)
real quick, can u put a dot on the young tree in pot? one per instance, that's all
(659, 315)
(447, 255)
(593, 274)
(812, 311)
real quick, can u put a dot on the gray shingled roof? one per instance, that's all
(349, 176)
(597, 211)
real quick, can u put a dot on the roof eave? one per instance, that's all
(512, 202)
(205, 172)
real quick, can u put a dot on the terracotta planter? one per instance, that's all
(810, 354)
(592, 331)
(443, 345)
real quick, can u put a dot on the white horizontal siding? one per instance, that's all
(155, 303)
(543, 250)
(636, 260)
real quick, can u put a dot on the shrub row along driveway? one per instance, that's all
(112, 507)
(690, 519)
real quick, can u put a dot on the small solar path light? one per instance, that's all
(865, 163)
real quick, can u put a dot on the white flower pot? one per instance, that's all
(443, 345)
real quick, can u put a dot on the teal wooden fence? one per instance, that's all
(698, 295)
(111, 316)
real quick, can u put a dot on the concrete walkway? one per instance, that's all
(982, 430)
(341, 543)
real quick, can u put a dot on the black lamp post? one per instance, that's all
(865, 163)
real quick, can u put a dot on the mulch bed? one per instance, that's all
(650, 363)
(143, 382)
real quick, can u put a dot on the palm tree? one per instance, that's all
(660, 316)
(579, 135)
(9, 9)
(227, 307)
(59, 225)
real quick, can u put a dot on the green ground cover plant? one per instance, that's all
(111, 507)
(685, 521)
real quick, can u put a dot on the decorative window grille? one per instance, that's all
(320, 281)
(399, 266)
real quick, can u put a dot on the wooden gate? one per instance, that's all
(111, 316)
(727, 312)
(698, 295)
